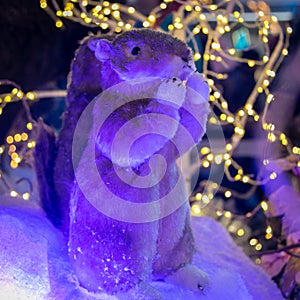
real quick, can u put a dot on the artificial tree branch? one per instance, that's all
(283, 249)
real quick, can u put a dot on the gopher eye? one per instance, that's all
(135, 51)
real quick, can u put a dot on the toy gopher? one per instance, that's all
(110, 253)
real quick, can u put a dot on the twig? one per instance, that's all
(283, 249)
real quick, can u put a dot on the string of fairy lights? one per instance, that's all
(189, 19)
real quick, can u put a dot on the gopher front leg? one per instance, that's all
(176, 247)
(175, 244)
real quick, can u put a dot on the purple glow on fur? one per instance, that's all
(129, 211)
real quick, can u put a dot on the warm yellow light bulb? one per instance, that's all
(13, 193)
(205, 164)
(260, 89)
(231, 51)
(205, 199)
(131, 10)
(178, 25)
(228, 147)
(216, 46)
(226, 156)
(210, 157)
(213, 120)
(127, 26)
(241, 113)
(106, 11)
(58, 24)
(26, 196)
(289, 30)
(251, 63)
(270, 98)
(271, 137)
(268, 236)
(146, 24)
(188, 8)
(227, 194)
(43, 4)
(152, 18)
(9, 139)
(285, 52)
(258, 261)
(228, 162)
(17, 137)
(224, 104)
(196, 210)
(104, 26)
(197, 56)
(265, 58)
(227, 214)
(261, 13)
(239, 130)
(163, 5)
(296, 150)
(204, 150)
(245, 179)
(223, 117)
(116, 14)
(14, 155)
(268, 229)
(240, 232)
(218, 159)
(227, 28)
(253, 242)
(13, 164)
(265, 31)
(205, 30)
(230, 119)
(210, 82)
(217, 95)
(258, 247)
(202, 17)
(221, 30)
(31, 144)
(17, 160)
(198, 196)
(196, 30)
(236, 14)
(7, 98)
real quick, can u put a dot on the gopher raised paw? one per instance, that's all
(172, 90)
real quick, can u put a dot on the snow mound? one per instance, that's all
(34, 265)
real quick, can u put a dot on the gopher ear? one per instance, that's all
(102, 48)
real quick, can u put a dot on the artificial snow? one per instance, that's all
(34, 265)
